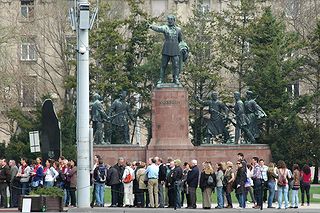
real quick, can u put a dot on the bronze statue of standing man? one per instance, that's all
(170, 50)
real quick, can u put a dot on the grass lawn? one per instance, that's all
(315, 189)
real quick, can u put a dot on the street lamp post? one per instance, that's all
(83, 168)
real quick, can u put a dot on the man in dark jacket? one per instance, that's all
(4, 181)
(177, 180)
(114, 180)
(192, 181)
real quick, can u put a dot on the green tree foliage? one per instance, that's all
(271, 48)
(26, 122)
(234, 32)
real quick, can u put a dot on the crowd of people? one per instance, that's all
(23, 177)
(159, 184)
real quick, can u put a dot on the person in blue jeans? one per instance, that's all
(100, 176)
(283, 186)
(219, 188)
(271, 173)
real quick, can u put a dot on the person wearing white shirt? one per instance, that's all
(50, 174)
(127, 179)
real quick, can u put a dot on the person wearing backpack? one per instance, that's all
(100, 177)
(283, 187)
(127, 178)
(207, 184)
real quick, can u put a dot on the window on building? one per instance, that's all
(205, 6)
(28, 50)
(27, 9)
(159, 7)
(28, 91)
(292, 8)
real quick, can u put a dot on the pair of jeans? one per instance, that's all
(283, 190)
(220, 199)
(177, 194)
(161, 194)
(25, 188)
(48, 184)
(241, 200)
(257, 189)
(272, 189)
(99, 193)
(305, 188)
(295, 198)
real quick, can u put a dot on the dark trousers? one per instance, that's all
(171, 196)
(14, 194)
(305, 189)
(93, 195)
(3, 194)
(192, 197)
(117, 192)
(257, 189)
(229, 200)
(73, 196)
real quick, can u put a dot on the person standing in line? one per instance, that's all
(296, 186)
(283, 176)
(73, 182)
(184, 190)
(152, 173)
(161, 181)
(24, 175)
(127, 178)
(37, 174)
(100, 177)
(4, 181)
(257, 182)
(305, 184)
(240, 180)
(264, 183)
(14, 184)
(96, 163)
(219, 188)
(192, 181)
(177, 180)
(229, 178)
(207, 184)
(50, 174)
(271, 173)
(140, 174)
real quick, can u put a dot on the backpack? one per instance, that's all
(282, 179)
(102, 174)
(211, 180)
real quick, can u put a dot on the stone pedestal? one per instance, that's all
(170, 119)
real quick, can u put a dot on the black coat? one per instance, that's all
(177, 174)
(115, 174)
(204, 180)
(162, 172)
(193, 177)
(241, 178)
(5, 174)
